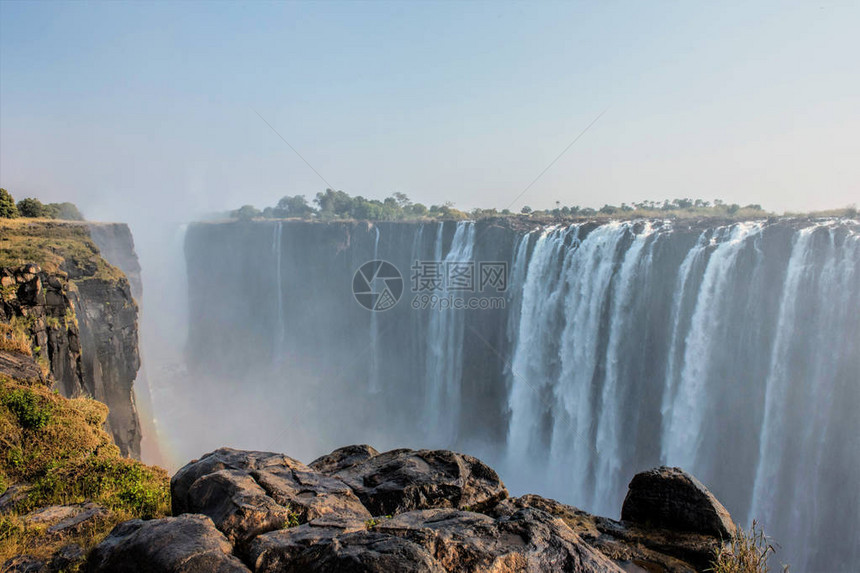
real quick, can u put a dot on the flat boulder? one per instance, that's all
(185, 544)
(405, 480)
(670, 498)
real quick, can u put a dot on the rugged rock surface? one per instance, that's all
(185, 544)
(673, 499)
(652, 549)
(20, 367)
(79, 313)
(431, 540)
(404, 510)
(343, 458)
(249, 493)
(403, 480)
(107, 314)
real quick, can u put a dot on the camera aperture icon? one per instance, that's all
(377, 285)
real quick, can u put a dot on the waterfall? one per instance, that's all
(684, 428)
(632, 276)
(445, 332)
(281, 328)
(730, 350)
(374, 383)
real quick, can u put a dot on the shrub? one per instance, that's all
(245, 213)
(748, 552)
(32, 207)
(70, 459)
(66, 211)
(8, 210)
(31, 413)
(118, 483)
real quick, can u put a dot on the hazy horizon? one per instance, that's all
(135, 111)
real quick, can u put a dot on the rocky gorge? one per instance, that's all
(558, 387)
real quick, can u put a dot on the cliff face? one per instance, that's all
(79, 315)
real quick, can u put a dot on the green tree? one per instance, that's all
(66, 211)
(334, 203)
(8, 210)
(295, 206)
(245, 213)
(609, 209)
(32, 207)
(526, 210)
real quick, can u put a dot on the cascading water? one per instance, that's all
(444, 357)
(280, 332)
(728, 350)
(683, 432)
(374, 382)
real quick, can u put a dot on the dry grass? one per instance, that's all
(748, 552)
(55, 246)
(57, 449)
(14, 339)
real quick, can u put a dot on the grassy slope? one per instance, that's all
(57, 449)
(55, 246)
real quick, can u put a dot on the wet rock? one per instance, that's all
(185, 544)
(671, 498)
(343, 458)
(405, 480)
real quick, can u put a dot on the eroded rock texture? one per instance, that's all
(358, 510)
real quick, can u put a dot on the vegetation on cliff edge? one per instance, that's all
(338, 205)
(56, 451)
(55, 246)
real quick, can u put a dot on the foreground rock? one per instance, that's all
(249, 493)
(652, 549)
(672, 498)
(407, 511)
(185, 544)
(404, 480)
(433, 540)
(343, 458)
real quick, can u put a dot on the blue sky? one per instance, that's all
(125, 107)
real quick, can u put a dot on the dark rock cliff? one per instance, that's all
(79, 315)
